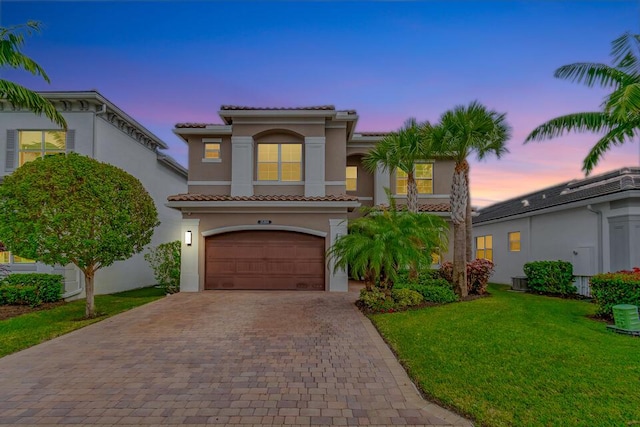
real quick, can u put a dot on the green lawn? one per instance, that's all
(24, 331)
(517, 359)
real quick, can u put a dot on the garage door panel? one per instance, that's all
(308, 269)
(265, 260)
(224, 266)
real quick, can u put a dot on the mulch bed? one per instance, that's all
(9, 311)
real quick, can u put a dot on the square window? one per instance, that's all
(211, 150)
(423, 175)
(279, 162)
(484, 247)
(37, 143)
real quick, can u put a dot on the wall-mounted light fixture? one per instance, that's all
(188, 238)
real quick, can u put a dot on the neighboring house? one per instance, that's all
(270, 190)
(594, 223)
(99, 129)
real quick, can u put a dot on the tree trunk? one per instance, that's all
(412, 193)
(469, 221)
(90, 308)
(459, 194)
(459, 263)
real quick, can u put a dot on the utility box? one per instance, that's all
(519, 283)
(626, 317)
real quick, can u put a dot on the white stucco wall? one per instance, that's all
(115, 147)
(545, 237)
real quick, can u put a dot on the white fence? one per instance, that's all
(583, 286)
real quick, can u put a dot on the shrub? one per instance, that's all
(406, 297)
(478, 273)
(424, 277)
(441, 292)
(165, 261)
(611, 289)
(31, 289)
(376, 300)
(550, 277)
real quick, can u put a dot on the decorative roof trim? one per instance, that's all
(241, 107)
(92, 101)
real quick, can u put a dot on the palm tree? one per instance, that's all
(460, 133)
(383, 242)
(11, 40)
(402, 150)
(620, 115)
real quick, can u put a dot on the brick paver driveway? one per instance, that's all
(226, 357)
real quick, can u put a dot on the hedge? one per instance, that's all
(30, 289)
(439, 291)
(610, 289)
(550, 277)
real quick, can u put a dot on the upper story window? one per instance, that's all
(484, 247)
(211, 148)
(212, 151)
(37, 143)
(280, 162)
(514, 241)
(424, 179)
(352, 178)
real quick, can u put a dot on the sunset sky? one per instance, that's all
(174, 61)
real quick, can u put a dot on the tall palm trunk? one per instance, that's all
(459, 194)
(412, 193)
(469, 221)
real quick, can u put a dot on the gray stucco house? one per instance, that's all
(594, 223)
(99, 129)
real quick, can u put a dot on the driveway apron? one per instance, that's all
(218, 357)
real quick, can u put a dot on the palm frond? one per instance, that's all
(624, 103)
(11, 40)
(595, 121)
(473, 128)
(25, 98)
(593, 73)
(625, 51)
(617, 136)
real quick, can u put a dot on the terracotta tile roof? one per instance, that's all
(223, 198)
(434, 207)
(427, 207)
(243, 107)
(374, 133)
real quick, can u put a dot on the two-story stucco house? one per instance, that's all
(270, 190)
(99, 129)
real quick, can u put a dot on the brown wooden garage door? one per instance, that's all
(274, 260)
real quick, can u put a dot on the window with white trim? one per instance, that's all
(38, 143)
(279, 162)
(212, 151)
(423, 174)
